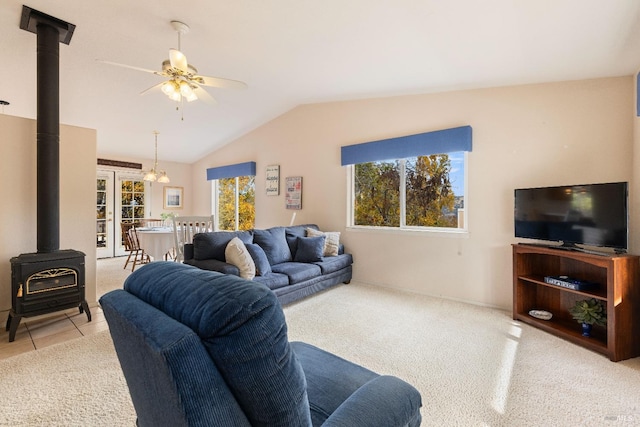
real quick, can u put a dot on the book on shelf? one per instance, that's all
(569, 283)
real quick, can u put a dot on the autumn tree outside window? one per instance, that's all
(423, 191)
(236, 203)
(233, 195)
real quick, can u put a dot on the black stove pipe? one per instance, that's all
(48, 138)
(50, 33)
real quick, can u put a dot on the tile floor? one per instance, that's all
(38, 332)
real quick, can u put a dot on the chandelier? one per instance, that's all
(154, 174)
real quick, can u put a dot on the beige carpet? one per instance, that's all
(474, 366)
(77, 383)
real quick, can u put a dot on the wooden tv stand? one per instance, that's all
(617, 278)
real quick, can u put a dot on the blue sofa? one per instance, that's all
(201, 348)
(278, 258)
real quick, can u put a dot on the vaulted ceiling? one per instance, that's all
(292, 52)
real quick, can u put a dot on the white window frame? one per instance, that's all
(403, 228)
(214, 203)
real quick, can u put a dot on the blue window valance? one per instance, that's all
(422, 144)
(232, 171)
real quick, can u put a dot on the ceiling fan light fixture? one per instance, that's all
(183, 81)
(185, 89)
(169, 87)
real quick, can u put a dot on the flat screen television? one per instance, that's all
(590, 214)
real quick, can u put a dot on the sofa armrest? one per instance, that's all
(383, 401)
(187, 251)
(214, 265)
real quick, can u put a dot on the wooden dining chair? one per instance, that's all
(185, 227)
(132, 245)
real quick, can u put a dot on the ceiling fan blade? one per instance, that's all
(152, 88)
(127, 66)
(178, 60)
(220, 82)
(203, 95)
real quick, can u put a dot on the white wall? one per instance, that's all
(533, 135)
(77, 197)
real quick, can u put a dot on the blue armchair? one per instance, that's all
(200, 348)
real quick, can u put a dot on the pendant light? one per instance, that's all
(154, 174)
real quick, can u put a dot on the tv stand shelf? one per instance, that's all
(617, 278)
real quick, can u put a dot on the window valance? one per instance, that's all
(232, 171)
(422, 144)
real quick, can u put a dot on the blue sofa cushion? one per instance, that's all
(295, 231)
(274, 243)
(309, 249)
(329, 264)
(297, 271)
(356, 394)
(214, 265)
(259, 259)
(273, 280)
(243, 328)
(212, 245)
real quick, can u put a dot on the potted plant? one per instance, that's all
(167, 217)
(589, 312)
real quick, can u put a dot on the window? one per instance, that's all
(233, 195)
(132, 200)
(235, 203)
(422, 187)
(422, 191)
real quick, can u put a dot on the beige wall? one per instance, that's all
(534, 135)
(77, 197)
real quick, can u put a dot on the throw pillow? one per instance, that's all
(274, 243)
(236, 253)
(259, 258)
(310, 249)
(331, 243)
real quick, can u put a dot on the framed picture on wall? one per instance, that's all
(293, 197)
(273, 180)
(173, 197)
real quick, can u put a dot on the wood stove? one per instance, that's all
(50, 279)
(44, 283)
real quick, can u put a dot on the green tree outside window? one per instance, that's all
(427, 197)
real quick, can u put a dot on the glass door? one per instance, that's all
(120, 197)
(131, 203)
(104, 214)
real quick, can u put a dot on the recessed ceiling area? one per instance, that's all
(297, 52)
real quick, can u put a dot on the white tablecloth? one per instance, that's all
(156, 241)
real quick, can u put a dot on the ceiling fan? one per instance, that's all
(184, 82)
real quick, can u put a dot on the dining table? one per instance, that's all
(156, 241)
